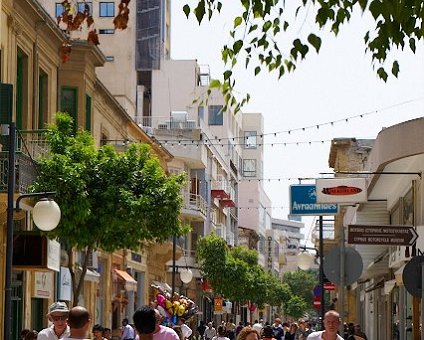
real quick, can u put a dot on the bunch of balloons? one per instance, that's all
(175, 307)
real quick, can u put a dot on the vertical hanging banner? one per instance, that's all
(341, 190)
(217, 305)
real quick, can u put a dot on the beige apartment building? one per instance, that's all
(35, 85)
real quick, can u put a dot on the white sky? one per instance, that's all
(336, 84)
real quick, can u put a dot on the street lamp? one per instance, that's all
(186, 275)
(305, 260)
(46, 215)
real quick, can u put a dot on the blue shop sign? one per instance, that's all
(303, 201)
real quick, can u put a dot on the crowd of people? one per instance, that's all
(75, 323)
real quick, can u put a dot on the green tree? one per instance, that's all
(235, 273)
(271, 34)
(109, 200)
(302, 283)
(295, 307)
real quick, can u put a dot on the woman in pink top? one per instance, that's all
(147, 323)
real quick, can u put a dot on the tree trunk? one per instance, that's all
(78, 281)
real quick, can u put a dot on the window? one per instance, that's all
(81, 7)
(107, 31)
(58, 9)
(110, 58)
(249, 167)
(21, 91)
(69, 103)
(107, 9)
(201, 113)
(250, 138)
(216, 116)
(87, 112)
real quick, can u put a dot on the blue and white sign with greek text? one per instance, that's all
(303, 201)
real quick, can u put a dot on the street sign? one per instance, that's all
(303, 201)
(353, 265)
(396, 235)
(329, 286)
(317, 291)
(341, 190)
(317, 302)
(412, 276)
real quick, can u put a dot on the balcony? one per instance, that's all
(176, 125)
(224, 192)
(32, 145)
(220, 190)
(194, 205)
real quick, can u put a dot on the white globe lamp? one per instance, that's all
(186, 275)
(305, 260)
(46, 214)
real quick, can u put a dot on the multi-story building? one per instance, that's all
(203, 140)
(254, 202)
(36, 84)
(291, 238)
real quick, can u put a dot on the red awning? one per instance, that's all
(130, 282)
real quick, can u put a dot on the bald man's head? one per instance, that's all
(78, 317)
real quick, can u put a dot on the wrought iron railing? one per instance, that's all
(30, 146)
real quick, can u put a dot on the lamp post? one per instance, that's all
(46, 215)
(186, 275)
(305, 261)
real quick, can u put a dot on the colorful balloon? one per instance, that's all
(160, 300)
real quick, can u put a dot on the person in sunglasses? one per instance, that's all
(58, 315)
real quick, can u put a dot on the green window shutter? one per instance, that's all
(42, 80)
(6, 103)
(19, 91)
(69, 103)
(87, 112)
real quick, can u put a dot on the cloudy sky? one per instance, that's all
(338, 85)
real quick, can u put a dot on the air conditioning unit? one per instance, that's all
(179, 116)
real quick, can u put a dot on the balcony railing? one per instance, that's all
(29, 144)
(169, 123)
(195, 202)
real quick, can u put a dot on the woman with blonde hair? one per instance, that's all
(248, 333)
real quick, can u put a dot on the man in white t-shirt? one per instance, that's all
(187, 331)
(331, 326)
(58, 314)
(79, 323)
(257, 326)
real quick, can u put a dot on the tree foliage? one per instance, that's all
(261, 33)
(295, 307)
(108, 200)
(302, 283)
(236, 275)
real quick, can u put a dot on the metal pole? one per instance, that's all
(321, 269)
(9, 240)
(174, 248)
(422, 299)
(342, 280)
